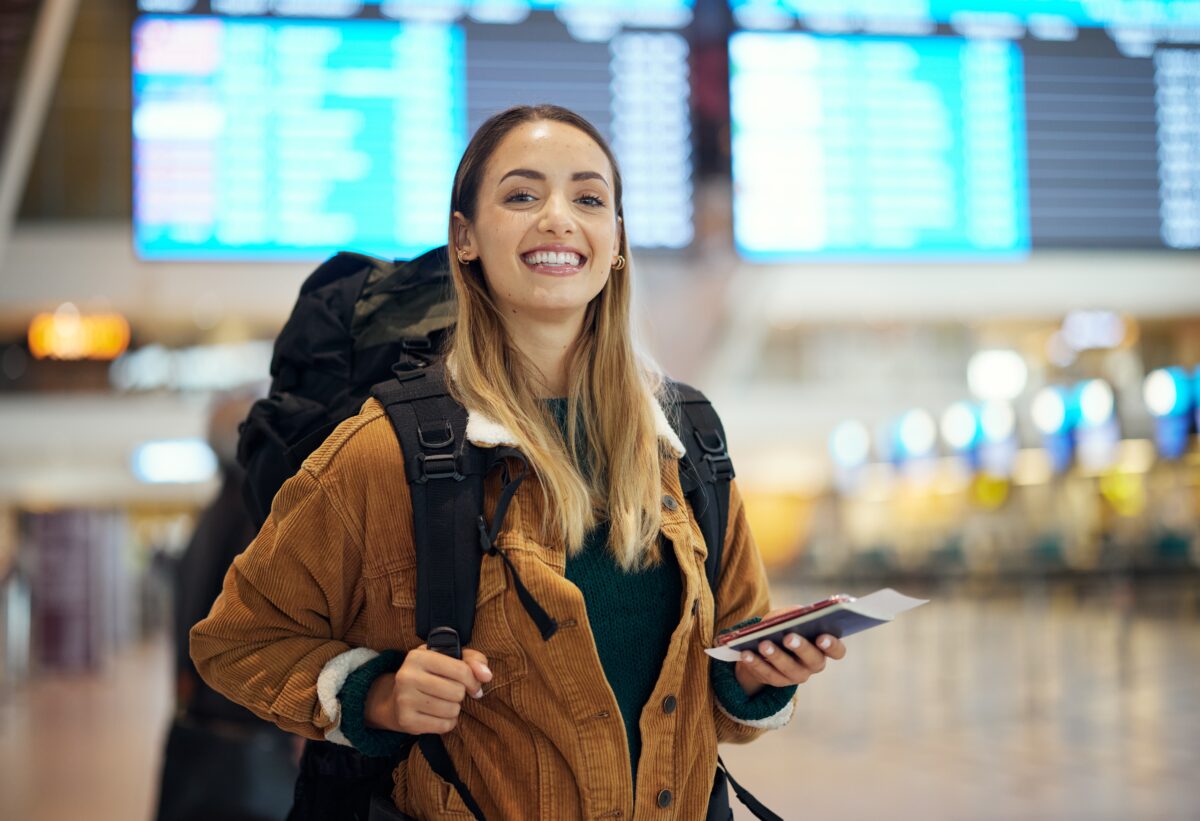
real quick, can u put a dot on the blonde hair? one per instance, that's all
(610, 388)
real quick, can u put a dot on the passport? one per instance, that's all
(841, 619)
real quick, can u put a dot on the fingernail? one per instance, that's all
(824, 643)
(748, 658)
(793, 641)
(485, 669)
(768, 649)
(478, 694)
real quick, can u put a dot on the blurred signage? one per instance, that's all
(602, 18)
(881, 130)
(199, 368)
(174, 461)
(293, 130)
(855, 146)
(1177, 18)
(68, 334)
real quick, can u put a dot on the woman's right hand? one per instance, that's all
(425, 695)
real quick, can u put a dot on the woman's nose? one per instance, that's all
(556, 216)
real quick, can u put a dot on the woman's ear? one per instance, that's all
(464, 237)
(618, 236)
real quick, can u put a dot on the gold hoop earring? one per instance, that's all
(619, 263)
(462, 258)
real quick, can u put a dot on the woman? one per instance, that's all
(616, 715)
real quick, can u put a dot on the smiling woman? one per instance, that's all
(605, 705)
(541, 266)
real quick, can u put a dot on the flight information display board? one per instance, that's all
(885, 145)
(984, 128)
(290, 130)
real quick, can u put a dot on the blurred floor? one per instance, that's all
(86, 746)
(1058, 702)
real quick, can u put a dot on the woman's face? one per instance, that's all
(546, 228)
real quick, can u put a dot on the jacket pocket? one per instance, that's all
(428, 795)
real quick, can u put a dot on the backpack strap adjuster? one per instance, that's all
(437, 466)
(716, 455)
(444, 640)
(720, 467)
(405, 372)
(446, 440)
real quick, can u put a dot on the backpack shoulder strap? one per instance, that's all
(445, 476)
(705, 472)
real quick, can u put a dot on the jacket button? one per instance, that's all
(670, 503)
(669, 704)
(664, 799)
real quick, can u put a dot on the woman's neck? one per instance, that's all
(548, 346)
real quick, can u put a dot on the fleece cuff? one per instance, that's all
(353, 698)
(769, 708)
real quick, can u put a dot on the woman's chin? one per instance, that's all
(550, 311)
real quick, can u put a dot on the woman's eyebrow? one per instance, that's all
(538, 175)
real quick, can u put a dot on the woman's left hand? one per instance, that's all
(778, 667)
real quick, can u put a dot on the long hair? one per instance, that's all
(614, 473)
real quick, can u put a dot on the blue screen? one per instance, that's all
(1089, 13)
(876, 147)
(292, 137)
(964, 128)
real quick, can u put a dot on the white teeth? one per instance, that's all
(552, 258)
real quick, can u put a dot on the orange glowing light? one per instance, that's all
(67, 334)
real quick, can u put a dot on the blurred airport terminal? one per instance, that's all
(936, 262)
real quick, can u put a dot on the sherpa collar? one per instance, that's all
(484, 431)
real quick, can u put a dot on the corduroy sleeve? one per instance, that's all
(742, 594)
(285, 606)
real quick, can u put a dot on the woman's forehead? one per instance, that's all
(549, 147)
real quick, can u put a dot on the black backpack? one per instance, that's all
(368, 327)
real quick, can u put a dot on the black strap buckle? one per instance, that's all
(406, 371)
(438, 466)
(716, 455)
(444, 640)
(485, 538)
(710, 441)
(416, 343)
(433, 444)
(720, 467)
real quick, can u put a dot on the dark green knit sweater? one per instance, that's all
(632, 616)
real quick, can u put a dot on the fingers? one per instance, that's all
(435, 686)
(436, 707)
(803, 659)
(452, 669)
(477, 661)
(832, 647)
(765, 672)
(422, 724)
(792, 667)
(430, 687)
(805, 652)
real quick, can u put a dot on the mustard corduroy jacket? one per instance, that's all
(329, 582)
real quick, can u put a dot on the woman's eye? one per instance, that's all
(519, 196)
(594, 202)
